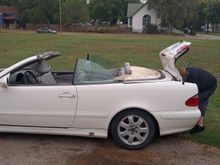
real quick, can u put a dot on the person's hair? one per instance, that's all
(183, 72)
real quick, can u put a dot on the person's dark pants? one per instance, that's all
(204, 98)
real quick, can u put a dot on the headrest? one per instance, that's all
(43, 67)
(87, 66)
(127, 68)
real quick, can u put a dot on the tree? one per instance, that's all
(8, 2)
(213, 13)
(75, 11)
(38, 11)
(109, 10)
(174, 12)
(200, 20)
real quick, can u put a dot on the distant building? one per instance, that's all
(8, 16)
(139, 16)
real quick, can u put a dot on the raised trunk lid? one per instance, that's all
(171, 54)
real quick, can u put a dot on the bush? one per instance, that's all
(150, 29)
(193, 33)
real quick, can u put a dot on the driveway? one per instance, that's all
(22, 149)
(204, 37)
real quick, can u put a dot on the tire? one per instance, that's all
(133, 129)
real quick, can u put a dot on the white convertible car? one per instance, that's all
(132, 104)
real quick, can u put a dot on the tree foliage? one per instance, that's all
(178, 13)
(75, 11)
(174, 12)
(208, 12)
(109, 10)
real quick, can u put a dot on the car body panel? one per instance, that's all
(37, 106)
(100, 133)
(152, 97)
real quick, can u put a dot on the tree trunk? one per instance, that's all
(207, 27)
(170, 28)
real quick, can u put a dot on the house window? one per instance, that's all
(146, 20)
(130, 21)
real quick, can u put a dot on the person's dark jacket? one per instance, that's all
(203, 79)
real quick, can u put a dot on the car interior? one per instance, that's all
(86, 72)
(39, 73)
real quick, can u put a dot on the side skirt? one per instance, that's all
(100, 133)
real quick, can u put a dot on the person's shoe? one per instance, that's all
(197, 129)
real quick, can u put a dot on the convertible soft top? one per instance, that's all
(48, 55)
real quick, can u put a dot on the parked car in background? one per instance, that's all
(189, 31)
(46, 30)
(133, 104)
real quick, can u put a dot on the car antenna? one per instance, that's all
(87, 56)
(187, 69)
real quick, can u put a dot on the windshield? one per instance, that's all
(89, 72)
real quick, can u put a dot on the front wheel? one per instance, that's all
(133, 129)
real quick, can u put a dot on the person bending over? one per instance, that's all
(207, 84)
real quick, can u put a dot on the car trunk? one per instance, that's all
(171, 54)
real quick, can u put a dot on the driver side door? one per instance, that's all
(38, 106)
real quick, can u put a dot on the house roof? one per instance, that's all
(8, 9)
(10, 17)
(133, 8)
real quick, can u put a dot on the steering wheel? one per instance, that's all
(30, 78)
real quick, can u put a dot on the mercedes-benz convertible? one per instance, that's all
(132, 104)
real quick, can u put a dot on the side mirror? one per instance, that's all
(4, 81)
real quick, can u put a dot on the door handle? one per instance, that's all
(66, 95)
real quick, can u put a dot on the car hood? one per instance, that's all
(171, 54)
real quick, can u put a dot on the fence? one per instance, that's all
(80, 28)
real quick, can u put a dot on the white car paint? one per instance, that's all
(88, 109)
(41, 106)
(107, 100)
(169, 56)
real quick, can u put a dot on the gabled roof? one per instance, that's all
(133, 8)
(8, 9)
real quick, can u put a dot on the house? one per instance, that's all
(139, 16)
(8, 16)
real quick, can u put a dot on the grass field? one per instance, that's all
(137, 49)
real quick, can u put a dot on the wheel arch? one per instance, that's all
(139, 109)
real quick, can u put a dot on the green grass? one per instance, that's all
(137, 49)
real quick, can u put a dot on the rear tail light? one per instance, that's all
(193, 101)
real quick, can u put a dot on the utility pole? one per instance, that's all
(60, 6)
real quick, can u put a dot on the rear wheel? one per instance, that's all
(133, 129)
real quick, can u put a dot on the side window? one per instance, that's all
(88, 72)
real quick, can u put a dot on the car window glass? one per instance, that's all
(89, 72)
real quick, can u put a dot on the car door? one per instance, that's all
(38, 106)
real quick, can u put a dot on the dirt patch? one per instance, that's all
(22, 149)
